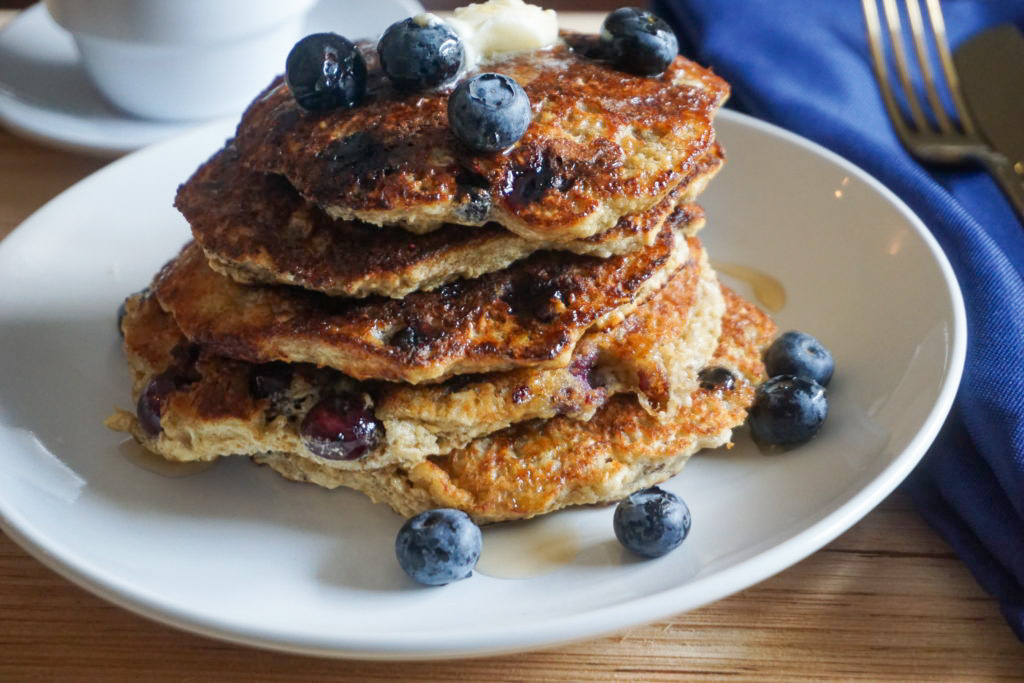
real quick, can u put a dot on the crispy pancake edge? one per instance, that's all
(529, 315)
(255, 228)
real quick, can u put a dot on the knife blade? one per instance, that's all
(991, 69)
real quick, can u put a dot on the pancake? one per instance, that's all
(216, 407)
(655, 353)
(530, 314)
(538, 467)
(255, 228)
(602, 144)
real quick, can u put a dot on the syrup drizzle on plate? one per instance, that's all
(151, 462)
(520, 550)
(768, 291)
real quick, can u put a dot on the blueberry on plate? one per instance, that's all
(651, 522)
(787, 410)
(637, 41)
(340, 427)
(489, 112)
(438, 546)
(325, 71)
(796, 353)
(419, 53)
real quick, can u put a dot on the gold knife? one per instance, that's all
(991, 70)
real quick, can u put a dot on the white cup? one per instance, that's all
(182, 59)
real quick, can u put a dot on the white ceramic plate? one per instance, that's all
(238, 553)
(45, 94)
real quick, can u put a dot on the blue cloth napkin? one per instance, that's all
(804, 65)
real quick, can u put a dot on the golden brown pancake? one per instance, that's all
(603, 143)
(534, 468)
(256, 228)
(219, 406)
(655, 353)
(530, 314)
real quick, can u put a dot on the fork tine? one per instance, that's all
(948, 70)
(874, 25)
(921, 48)
(892, 18)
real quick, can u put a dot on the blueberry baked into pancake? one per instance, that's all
(539, 466)
(655, 353)
(458, 269)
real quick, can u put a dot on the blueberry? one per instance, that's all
(409, 338)
(120, 319)
(716, 377)
(652, 522)
(340, 427)
(438, 546)
(637, 41)
(796, 353)
(787, 410)
(325, 71)
(182, 372)
(419, 53)
(489, 112)
(150, 406)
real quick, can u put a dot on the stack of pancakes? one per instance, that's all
(524, 330)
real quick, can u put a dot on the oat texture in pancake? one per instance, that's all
(218, 406)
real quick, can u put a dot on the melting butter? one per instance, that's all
(499, 27)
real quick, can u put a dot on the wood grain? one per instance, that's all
(887, 600)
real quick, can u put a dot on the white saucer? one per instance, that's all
(46, 96)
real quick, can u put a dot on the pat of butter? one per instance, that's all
(498, 27)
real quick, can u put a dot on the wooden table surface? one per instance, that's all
(888, 599)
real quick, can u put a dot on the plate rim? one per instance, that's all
(586, 625)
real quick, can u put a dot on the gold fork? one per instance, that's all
(944, 137)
